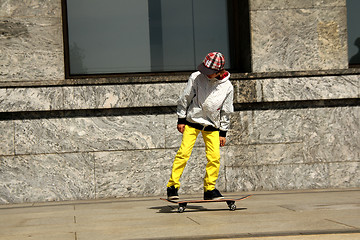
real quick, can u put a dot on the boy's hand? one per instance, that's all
(181, 128)
(222, 141)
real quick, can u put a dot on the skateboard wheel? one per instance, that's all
(181, 209)
(232, 207)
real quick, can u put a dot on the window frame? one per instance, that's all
(235, 44)
(351, 65)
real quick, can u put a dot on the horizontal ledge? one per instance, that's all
(342, 102)
(160, 110)
(149, 78)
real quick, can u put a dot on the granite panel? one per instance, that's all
(138, 95)
(345, 174)
(278, 42)
(241, 128)
(39, 65)
(121, 96)
(30, 99)
(42, 8)
(332, 134)
(267, 126)
(39, 178)
(264, 154)
(329, 3)
(245, 91)
(278, 126)
(146, 173)
(332, 37)
(240, 155)
(88, 97)
(79, 97)
(310, 88)
(39, 34)
(57, 135)
(7, 138)
(132, 173)
(277, 177)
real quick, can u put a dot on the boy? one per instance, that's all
(204, 106)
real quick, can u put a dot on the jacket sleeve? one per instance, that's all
(225, 112)
(185, 99)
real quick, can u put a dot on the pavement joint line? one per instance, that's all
(287, 208)
(258, 235)
(193, 221)
(340, 223)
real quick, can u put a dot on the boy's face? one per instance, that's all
(213, 75)
(216, 74)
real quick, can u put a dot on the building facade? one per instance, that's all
(296, 123)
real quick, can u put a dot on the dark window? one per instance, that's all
(353, 25)
(127, 36)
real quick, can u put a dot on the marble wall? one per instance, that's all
(68, 142)
(31, 42)
(49, 152)
(292, 35)
(102, 157)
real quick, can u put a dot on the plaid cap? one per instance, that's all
(212, 63)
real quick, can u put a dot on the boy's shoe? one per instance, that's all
(172, 193)
(213, 195)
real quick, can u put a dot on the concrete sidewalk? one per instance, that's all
(290, 215)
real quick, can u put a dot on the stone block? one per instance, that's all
(41, 34)
(266, 126)
(315, 37)
(332, 134)
(29, 66)
(310, 88)
(19, 34)
(39, 8)
(121, 96)
(7, 138)
(245, 91)
(78, 134)
(329, 3)
(30, 99)
(264, 154)
(40, 178)
(277, 177)
(344, 174)
(132, 173)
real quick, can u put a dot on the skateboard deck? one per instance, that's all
(183, 203)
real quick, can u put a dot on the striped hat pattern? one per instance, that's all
(215, 61)
(212, 63)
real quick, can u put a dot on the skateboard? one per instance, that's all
(183, 203)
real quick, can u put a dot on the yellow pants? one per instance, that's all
(212, 147)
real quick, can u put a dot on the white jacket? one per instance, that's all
(208, 102)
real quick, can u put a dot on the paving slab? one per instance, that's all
(286, 215)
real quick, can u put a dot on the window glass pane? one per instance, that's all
(120, 36)
(211, 29)
(353, 10)
(108, 36)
